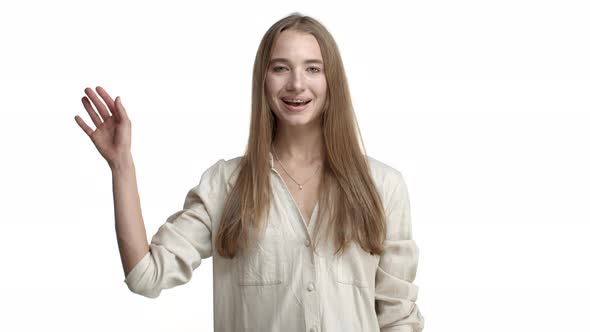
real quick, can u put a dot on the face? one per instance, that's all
(296, 73)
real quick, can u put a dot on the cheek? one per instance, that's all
(324, 92)
(272, 86)
(321, 87)
(321, 91)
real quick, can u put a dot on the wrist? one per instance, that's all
(121, 164)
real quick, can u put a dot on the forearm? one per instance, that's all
(129, 225)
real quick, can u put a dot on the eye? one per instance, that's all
(278, 68)
(315, 69)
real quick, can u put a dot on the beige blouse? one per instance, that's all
(283, 285)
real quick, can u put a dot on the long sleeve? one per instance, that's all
(395, 293)
(180, 244)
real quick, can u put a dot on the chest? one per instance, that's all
(305, 197)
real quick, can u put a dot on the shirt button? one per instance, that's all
(310, 287)
(307, 243)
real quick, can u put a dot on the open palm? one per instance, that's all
(112, 136)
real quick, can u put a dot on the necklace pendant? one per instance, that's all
(300, 187)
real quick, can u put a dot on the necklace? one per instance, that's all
(284, 169)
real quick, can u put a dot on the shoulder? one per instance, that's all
(215, 182)
(223, 171)
(388, 180)
(383, 174)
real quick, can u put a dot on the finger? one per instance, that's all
(107, 99)
(95, 118)
(102, 110)
(116, 112)
(121, 109)
(84, 126)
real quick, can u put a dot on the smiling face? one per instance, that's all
(295, 82)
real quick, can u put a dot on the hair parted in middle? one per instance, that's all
(350, 208)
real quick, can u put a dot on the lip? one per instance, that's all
(295, 97)
(296, 108)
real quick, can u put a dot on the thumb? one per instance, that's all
(121, 109)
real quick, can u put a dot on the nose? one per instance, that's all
(295, 81)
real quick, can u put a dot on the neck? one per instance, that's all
(299, 145)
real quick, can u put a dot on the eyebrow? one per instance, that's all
(287, 61)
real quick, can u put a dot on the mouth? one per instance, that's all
(291, 102)
(295, 106)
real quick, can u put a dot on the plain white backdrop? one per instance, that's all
(482, 105)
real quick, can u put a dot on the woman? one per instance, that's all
(307, 233)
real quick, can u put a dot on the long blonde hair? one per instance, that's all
(345, 182)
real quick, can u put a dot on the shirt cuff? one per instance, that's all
(137, 271)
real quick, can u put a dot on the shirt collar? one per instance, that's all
(271, 159)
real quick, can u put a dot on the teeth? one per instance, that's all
(295, 100)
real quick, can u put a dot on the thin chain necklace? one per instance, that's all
(284, 169)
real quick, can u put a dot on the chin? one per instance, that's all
(299, 120)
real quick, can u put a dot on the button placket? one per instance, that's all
(309, 296)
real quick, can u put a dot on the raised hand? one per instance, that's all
(112, 136)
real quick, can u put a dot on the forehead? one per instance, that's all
(295, 45)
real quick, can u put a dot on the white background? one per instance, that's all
(483, 106)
